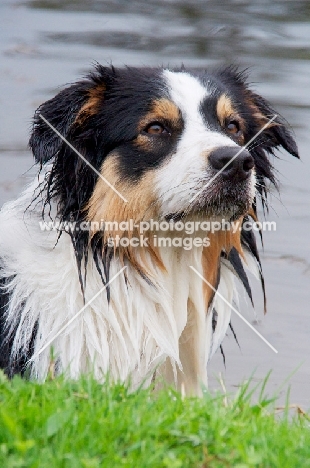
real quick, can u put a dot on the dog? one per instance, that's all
(135, 146)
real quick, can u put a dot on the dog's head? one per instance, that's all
(171, 142)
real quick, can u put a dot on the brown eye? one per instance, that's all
(156, 128)
(233, 127)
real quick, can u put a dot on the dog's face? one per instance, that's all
(203, 172)
(169, 141)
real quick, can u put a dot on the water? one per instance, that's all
(46, 44)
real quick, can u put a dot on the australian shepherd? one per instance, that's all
(109, 261)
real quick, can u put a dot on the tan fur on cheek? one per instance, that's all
(105, 205)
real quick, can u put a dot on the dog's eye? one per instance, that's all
(233, 127)
(156, 128)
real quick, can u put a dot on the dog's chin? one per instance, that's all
(211, 212)
(229, 213)
(226, 202)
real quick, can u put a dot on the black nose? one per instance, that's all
(230, 165)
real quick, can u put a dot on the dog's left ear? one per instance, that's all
(278, 133)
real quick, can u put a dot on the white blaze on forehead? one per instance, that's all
(186, 171)
(187, 93)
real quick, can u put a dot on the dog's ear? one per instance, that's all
(60, 112)
(69, 108)
(277, 134)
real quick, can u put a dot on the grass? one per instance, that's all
(85, 424)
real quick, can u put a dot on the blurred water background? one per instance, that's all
(45, 44)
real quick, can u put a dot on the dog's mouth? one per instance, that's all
(221, 199)
(226, 199)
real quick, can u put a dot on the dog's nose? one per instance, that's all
(226, 161)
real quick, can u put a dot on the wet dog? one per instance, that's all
(126, 148)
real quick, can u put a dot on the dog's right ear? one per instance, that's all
(73, 105)
(60, 112)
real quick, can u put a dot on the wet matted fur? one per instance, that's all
(161, 137)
